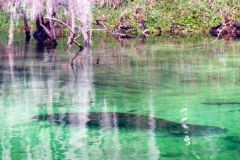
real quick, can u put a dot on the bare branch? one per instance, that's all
(70, 29)
(61, 22)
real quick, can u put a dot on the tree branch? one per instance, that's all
(64, 24)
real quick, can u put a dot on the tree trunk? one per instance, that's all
(27, 28)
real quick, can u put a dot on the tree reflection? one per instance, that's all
(111, 82)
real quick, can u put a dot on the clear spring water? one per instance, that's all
(180, 80)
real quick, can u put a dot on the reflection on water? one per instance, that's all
(140, 100)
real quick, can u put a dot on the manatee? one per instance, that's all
(238, 110)
(222, 103)
(128, 121)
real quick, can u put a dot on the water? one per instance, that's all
(179, 80)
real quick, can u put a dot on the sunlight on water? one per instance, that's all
(165, 99)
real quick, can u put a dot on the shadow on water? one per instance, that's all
(232, 142)
(81, 61)
(129, 121)
(42, 49)
(15, 68)
(133, 110)
(232, 139)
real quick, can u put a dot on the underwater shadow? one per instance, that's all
(129, 121)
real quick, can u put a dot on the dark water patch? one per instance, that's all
(172, 155)
(179, 94)
(61, 84)
(61, 104)
(55, 105)
(132, 110)
(222, 103)
(233, 139)
(117, 84)
(98, 84)
(233, 143)
(135, 88)
(128, 121)
(158, 85)
(137, 91)
(238, 110)
(15, 68)
(20, 69)
(193, 81)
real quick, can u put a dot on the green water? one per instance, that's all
(181, 80)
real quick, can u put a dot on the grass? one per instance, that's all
(195, 17)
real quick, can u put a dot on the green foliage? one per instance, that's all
(196, 17)
(4, 21)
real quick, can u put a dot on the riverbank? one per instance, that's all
(154, 17)
(187, 17)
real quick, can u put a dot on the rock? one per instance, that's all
(158, 31)
(176, 30)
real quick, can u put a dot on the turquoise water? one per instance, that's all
(180, 80)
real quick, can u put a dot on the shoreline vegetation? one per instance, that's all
(142, 18)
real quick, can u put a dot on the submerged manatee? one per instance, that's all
(128, 121)
(238, 110)
(222, 103)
